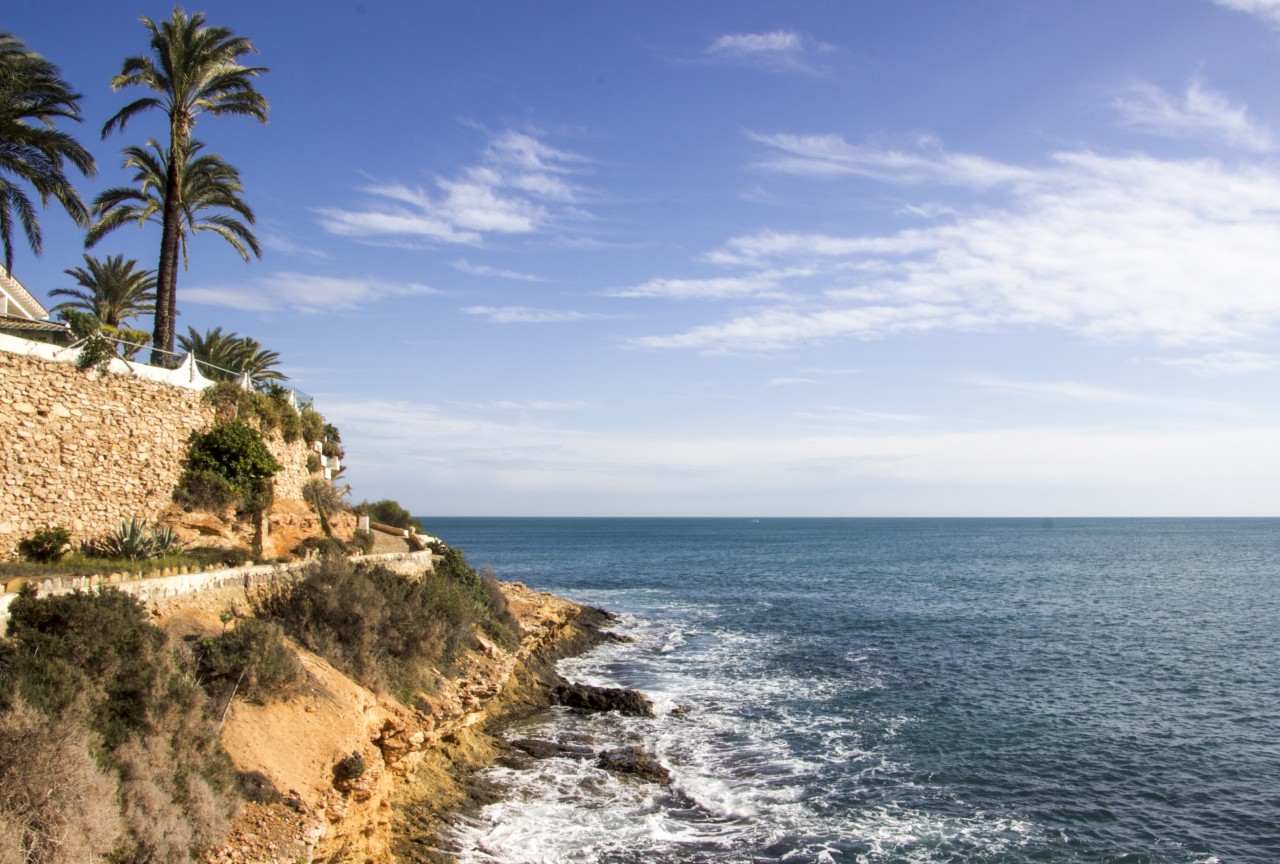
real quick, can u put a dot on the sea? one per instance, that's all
(968, 691)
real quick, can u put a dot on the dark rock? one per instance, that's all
(585, 697)
(539, 749)
(633, 760)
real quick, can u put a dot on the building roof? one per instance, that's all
(20, 302)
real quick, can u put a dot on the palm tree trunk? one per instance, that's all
(167, 272)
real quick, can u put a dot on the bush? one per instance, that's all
(204, 490)
(313, 463)
(97, 353)
(216, 556)
(348, 769)
(46, 544)
(235, 451)
(362, 541)
(388, 632)
(58, 805)
(252, 660)
(311, 425)
(94, 661)
(389, 512)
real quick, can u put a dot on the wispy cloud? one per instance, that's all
(1224, 362)
(1112, 248)
(719, 288)
(302, 292)
(519, 187)
(778, 51)
(1199, 113)
(524, 314)
(832, 155)
(465, 266)
(1267, 10)
(279, 243)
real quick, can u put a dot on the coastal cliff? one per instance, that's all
(341, 774)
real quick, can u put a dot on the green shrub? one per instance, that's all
(313, 463)
(230, 401)
(204, 490)
(235, 451)
(389, 512)
(97, 353)
(46, 544)
(93, 661)
(312, 425)
(363, 542)
(251, 660)
(348, 769)
(390, 633)
(216, 556)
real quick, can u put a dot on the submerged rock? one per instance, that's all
(540, 749)
(634, 760)
(585, 697)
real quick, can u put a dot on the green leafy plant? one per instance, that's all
(250, 660)
(313, 425)
(235, 453)
(96, 354)
(313, 463)
(134, 541)
(46, 544)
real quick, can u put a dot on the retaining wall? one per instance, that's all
(239, 582)
(88, 450)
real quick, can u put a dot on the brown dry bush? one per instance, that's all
(57, 806)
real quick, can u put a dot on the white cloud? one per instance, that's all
(1224, 362)
(534, 467)
(778, 51)
(465, 266)
(1136, 248)
(1267, 10)
(524, 314)
(720, 288)
(302, 292)
(831, 155)
(1201, 113)
(518, 188)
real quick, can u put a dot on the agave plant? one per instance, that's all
(133, 541)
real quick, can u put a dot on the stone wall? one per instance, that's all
(86, 451)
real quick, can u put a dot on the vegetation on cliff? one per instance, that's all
(392, 634)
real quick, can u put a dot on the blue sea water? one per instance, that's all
(906, 690)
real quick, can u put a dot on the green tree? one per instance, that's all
(226, 356)
(192, 69)
(207, 186)
(33, 97)
(112, 290)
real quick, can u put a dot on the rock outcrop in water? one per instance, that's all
(585, 697)
(634, 760)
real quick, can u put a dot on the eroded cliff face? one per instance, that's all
(413, 756)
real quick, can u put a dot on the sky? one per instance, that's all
(875, 258)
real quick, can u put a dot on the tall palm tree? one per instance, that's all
(206, 183)
(193, 68)
(226, 356)
(112, 290)
(33, 97)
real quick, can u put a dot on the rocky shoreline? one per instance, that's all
(343, 775)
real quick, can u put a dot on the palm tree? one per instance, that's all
(206, 183)
(226, 356)
(32, 98)
(192, 69)
(113, 291)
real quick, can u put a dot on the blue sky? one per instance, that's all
(748, 258)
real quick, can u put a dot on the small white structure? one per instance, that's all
(24, 317)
